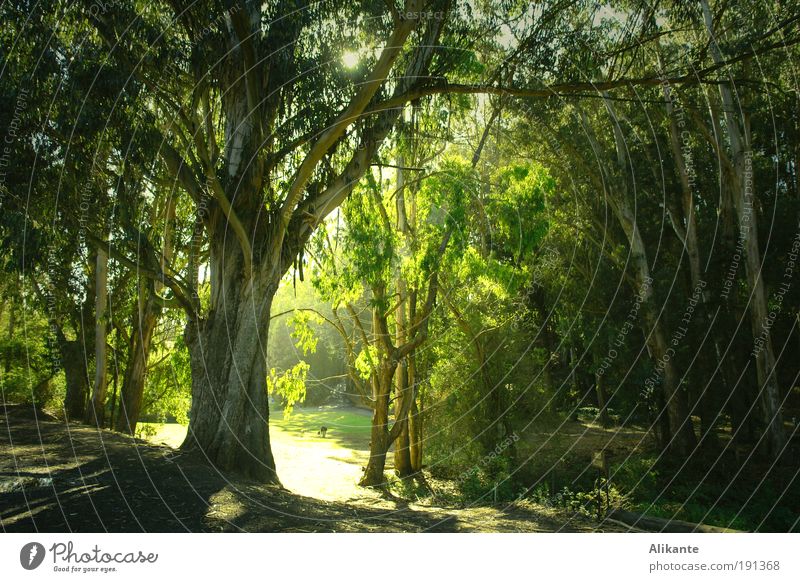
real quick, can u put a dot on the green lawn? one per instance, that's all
(344, 424)
(349, 426)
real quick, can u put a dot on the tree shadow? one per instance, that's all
(100, 481)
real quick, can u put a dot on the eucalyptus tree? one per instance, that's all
(723, 128)
(740, 180)
(264, 155)
(148, 304)
(52, 192)
(262, 125)
(364, 256)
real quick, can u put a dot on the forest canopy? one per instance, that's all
(487, 223)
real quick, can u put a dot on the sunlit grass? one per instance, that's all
(170, 434)
(325, 468)
(343, 423)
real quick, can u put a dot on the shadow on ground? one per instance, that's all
(56, 477)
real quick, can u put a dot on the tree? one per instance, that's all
(250, 248)
(95, 412)
(359, 268)
(147, 311)
(741, 184)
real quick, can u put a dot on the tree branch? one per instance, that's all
(182, 295)
(369, 87)
(443, 87)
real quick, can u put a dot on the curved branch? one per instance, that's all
(182, 295)
(233, 219)
(564, 89)
(357, 105)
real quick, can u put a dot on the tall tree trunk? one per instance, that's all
(743, 379)
(95, 413)
(12, 323)
(602, 400)
(229, 415)
(414, 417)
(681, 439)
(402, 446)
(380, 437)
(402, 452)
(741, 153)
(73, 360)
(148, 311)
(115, 384)
(685, 226)
(382, 381)
(146, 318)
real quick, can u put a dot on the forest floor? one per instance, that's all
(70, 477)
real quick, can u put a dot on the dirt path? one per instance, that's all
(58, 477)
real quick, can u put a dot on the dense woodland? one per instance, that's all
(486, 221)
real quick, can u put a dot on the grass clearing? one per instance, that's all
(325, 468)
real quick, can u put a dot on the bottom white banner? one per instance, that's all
(334, 557)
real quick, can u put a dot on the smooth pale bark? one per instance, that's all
(415, 415)
(684, 224)
(743, 384)
(95, 412)
(402, 452)
(681, 438)
(415, 418)
(743, 191)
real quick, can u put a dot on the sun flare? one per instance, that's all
(350, 59)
